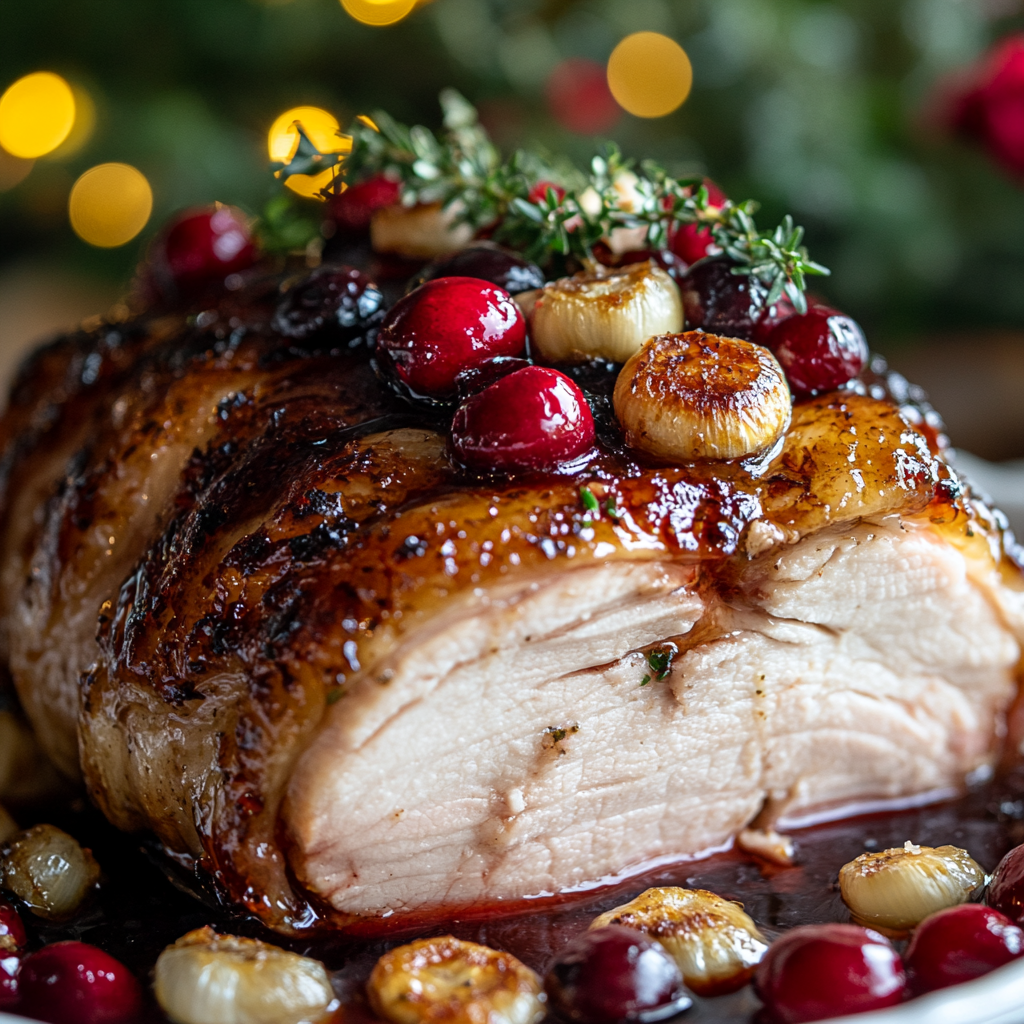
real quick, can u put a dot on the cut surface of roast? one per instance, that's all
(248, 597)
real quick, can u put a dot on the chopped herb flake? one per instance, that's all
(335, 695)
(589, 501)
(645, 680)
(610, 508)
(660, 661)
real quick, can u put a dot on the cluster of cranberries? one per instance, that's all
(461, 340)
(65, 981)
(820, 350)
(458, 337)
(811, 973)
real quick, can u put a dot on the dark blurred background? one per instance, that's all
(847, 113)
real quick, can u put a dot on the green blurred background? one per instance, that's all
(815, 107)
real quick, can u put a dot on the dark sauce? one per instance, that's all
(143, 906)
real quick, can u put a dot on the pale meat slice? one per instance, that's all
(516, 749)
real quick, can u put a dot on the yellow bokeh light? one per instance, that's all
(649, 74)
(321, 127)
(36, 115)
(378, 12)
(110, 204)
(310, 185)
(323, 131)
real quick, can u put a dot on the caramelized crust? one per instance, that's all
(209, 537)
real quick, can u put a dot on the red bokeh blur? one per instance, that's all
(579, 98)
(987, 105)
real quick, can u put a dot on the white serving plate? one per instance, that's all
(997, 998)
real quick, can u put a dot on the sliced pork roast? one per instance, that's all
(250, 598)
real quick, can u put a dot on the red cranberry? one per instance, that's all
(10, 965)
(690, 242)
(1006, 890)
(201, 247)
(616, 974)
(961, 943)
(533, 419)
(721, 302)
(72, 981)
(819, 351)
(335, 304)
(444, 327)
(828, 970)
(12, 931)
(491, 263)
(354, 208)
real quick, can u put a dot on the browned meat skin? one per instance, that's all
(253, 529)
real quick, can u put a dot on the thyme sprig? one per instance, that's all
(545, 208)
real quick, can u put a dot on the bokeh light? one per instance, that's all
(37, 113)
(110, 204)
(579, 99)
(649, 74)
(378, 12)
(324, 132)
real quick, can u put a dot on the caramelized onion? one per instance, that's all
(715, 943)
(206, 978)
(48, 870)
(897, 889)
(700, 396)
(447, 979)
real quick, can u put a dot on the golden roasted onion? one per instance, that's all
(604, 314)
(716, 945)
(206, 978)
(897, 889)
(419, 232)
(700, 396)
(49, 871)
(455, 982)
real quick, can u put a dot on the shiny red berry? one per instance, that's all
(12, 931)
(354, 208)
(820, 350)
(10, 965)
(721, 302)
(447, 326)
(533, 419)
(331, 306)
(202, 247)
(690, 242)
(1006, 890)
(616, 974)
(961, 943)
(828, 970)
(72, 981)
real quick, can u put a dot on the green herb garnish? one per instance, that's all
(660, 662)
(461, 168)
(590, 502)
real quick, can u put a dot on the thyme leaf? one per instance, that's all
(551, 211)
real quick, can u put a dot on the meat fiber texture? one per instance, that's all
(250, 601)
